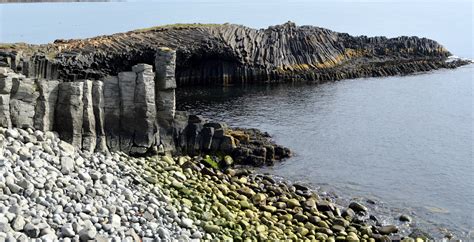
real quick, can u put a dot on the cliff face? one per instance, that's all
(133, 112)
(232, 54)
(117, 92)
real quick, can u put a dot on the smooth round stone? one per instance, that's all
(405, 218)
(186, 222)
(337, 228)
(293, 203)
(211, 228)
(388, 229)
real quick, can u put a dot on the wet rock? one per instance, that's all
(358, 207)
(211, 228)
(405, 218)
(388, 229)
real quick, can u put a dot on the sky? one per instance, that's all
(449, 22)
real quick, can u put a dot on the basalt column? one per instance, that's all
(145, 128)
(70, 112)
(5, 89)
(165, 85)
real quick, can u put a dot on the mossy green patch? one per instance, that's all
(209, 161)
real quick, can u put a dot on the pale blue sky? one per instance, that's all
(448, 22)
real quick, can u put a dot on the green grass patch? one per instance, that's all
(178, 25)
(210, 162)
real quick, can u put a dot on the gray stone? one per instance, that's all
(45, 106)
(18, 223)
(23, 102)
(66, 147)
(165, 83)
(87, 233)
(31, 230)
(165, 59)
(115, 221)
(5, 120)
(357, 207)
(13, 133)
(388, 229)
(14, 187)
(67, 230)
(98, 103)
(405, 218)
(186, 222)
(69, 112)
(142, 67)
(165, 105)
(112, 112)
(107, 178)
(164, 233)
(206, 135)
(145, 107)
(5, 84)
(127, 83)
(227, 144)
(88, 124)
(85, 176)
(67, 165)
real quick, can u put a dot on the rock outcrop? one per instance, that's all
(231, 54)
(117, 92)
(133, 112)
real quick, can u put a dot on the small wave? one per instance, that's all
(457, 58)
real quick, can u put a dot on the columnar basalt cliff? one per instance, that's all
(231, 54)
(133, 112)
(117, 92)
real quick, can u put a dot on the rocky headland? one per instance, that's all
(92, 146)
(226, 54)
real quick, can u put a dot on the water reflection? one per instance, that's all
(403, 140)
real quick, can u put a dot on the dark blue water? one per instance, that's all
(406, 142)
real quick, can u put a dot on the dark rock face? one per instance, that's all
(232, 54)
(117, 92)
(120, 113)
(246, 146)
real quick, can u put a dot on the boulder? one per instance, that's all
(228, 144)
(206, 138)
(193, 138)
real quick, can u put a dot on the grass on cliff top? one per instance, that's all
(13, 45)
(178, 25)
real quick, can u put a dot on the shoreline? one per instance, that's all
(97, 96)
(239, 204)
